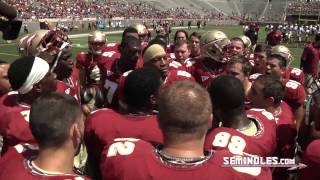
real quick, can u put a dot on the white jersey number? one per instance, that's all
(235, 144)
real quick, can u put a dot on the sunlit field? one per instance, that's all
(8, 52)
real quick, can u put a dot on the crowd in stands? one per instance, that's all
(304, 8)
(37, 9)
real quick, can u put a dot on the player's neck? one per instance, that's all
(276, 111)
(236, 122)
(247, 85)
(26, 99)
(142, 110)
(55, 160)
(189, 148)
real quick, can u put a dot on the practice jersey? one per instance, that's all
(263, 143)
(129, 158)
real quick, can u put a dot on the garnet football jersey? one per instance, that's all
(294, 74)
(294, 94)
(14, 120)
(286, 135)
(129, 158)
(262, 144)
(102, 126)
(111, 47)
(311, 158)
(17, 164)
(177, 75)
(110, 76)
(87, 63)
(286, 131)
(204, 75)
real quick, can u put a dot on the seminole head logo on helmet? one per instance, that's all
(96, 40)
(284, 52)
(214, 45)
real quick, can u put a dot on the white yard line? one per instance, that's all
(10, 54)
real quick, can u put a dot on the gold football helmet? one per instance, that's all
(284, 52)
(214, 45)
(50, 41)
(246, 41)
(142, 32)
(96, 40)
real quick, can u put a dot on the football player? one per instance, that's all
(113, 65)
(252, 131)
(89, 72)
(143, 34)
(5, 86)
(140, 93)
(30, 77)
(182, 53)
(184, 118)
(311, 160)
(236, 47)
(213, 48)
(58, 132)
(295, 94)
(290, 73)
(267, 93)
(274, 38)
(309, 62)
(114, 47)
(54, 46)
(240, 68)
(260, 55)
(194, 40)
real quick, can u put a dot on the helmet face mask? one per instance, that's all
(96, 40)
(49, 41)
(214, 45)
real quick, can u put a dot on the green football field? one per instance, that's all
(8, 52)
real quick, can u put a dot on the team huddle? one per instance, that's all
(153, 109)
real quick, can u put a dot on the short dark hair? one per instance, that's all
(51, 117)
(238, 39)
(129, 30)
(195, 34)
(156, 41)
(261, 48)
(178, 31)
(3, 62)
(140, 85)
(129, 40)
(184, 110)
(19, 71)
(227, 94)
(246, 66)
(272, 87)
(282, 60)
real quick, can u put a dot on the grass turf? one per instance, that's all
(8, 52)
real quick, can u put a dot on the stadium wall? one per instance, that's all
(83, 24)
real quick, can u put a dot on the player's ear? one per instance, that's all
(37, 88)
(75, 135)
(271, 100)
(153, 100)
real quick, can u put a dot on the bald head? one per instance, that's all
(184, 110)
